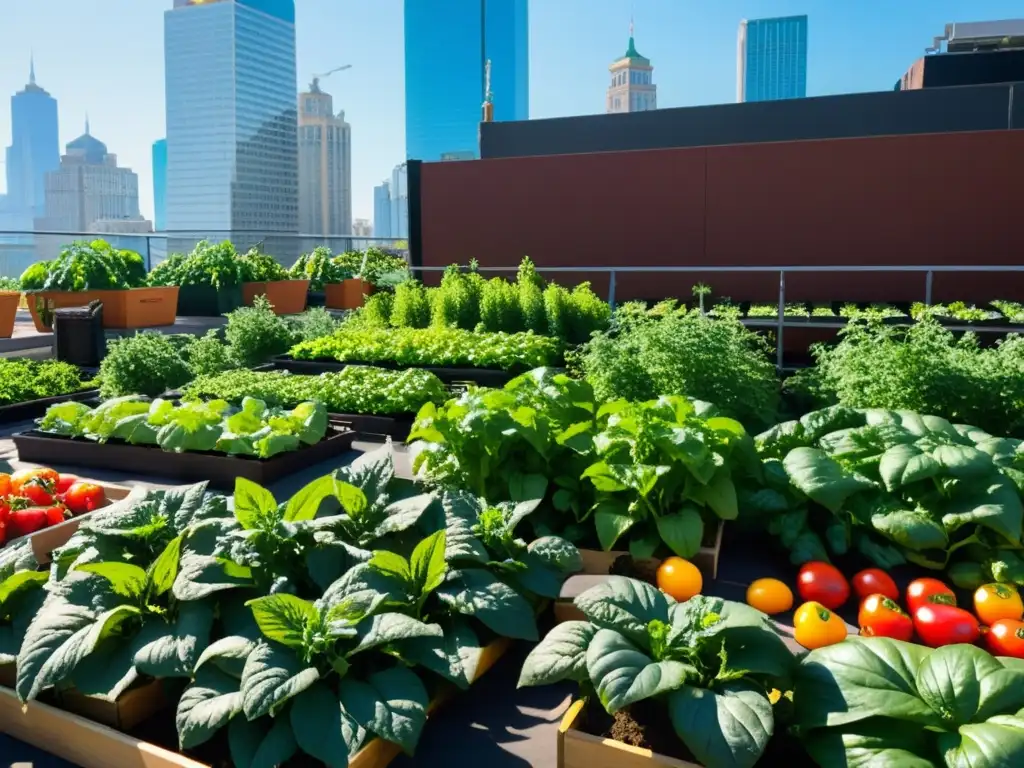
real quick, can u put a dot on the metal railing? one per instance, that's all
(19, 249)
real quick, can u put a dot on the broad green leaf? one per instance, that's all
(817, 424)
(228, 654)
(612, 519)
(403, 514)
(757, 650)
(720, 495)
(682, 532)
(822, 479)
(273, 674)
(460, 541)
(427, 563)
(283, 617)
(316, 723)
(125, 579)
(644, 541)
(904, 464)
(20, 582)
(108, 672)
(560, 655)
(538, 578)
(253, 503)
(305, 504)
(388, 628)
(371, 472)
(206, 706)
(353, 500)
(478, 593)
(998, 742)
(624, 605)
(202, 575)
(362, 591)
(913, 529)
(622, 674)
(455, 656)
(264, 743)
(963, 461)
(392, 704)
(330, 560)
(172, 650)
(392, 565)
(727, 726)
(521, 511)
(965, 684)
(603, 478)
(557, 553)
(526, 487)
(875, 743)
(990, 502)
(164, 569)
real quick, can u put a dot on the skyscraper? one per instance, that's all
(399, 189)
(232, 127)
(445, 54)
(771, 59)
(325, 166)
(160, 184)
(34, 151)
(382, 209)
(631, 88)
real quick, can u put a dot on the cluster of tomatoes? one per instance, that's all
(32, 499)
(932, 613)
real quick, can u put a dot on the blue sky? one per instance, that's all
(106, 58)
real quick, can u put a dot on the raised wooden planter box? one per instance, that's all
(577, 749)
(288, 297)
(90, 745)
(9, 301)
(130, 308)
(134, 706)
(349, 294)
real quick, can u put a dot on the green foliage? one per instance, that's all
(706, 358)
(377, 309)
(85, 266)
(710, 661)
(499, 307)
(207, 354)
(433, 347)
(215, 265)
(531, 297)
(24, 379)
(356, 389)
(255, 334)
(411, 307)
(145, 363)
(320, 268)
(10, 284)
(259, 267)
(456, 302)
(376, 265)
(875, 701)
(922, 368)
(252, 429)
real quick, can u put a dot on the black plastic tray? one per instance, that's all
(32, 409)
(219, 468)
(484, 377)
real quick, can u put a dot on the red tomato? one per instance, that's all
(3, 531)
(84, 497)
(928, 592)
(23, 476)
(1006, 638)
(880, 616)
(37, 494)
(64, 482)
(55, 515)
(822, 583)
(940, 624)
(875, 581)
(5, 484)
(25, 521)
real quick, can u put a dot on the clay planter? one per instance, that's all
(349, 294)
(130, 308)
(288, 297)
(597, 563)
(577, 749)
(9, 301)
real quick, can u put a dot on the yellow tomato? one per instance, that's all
(770, 596)
(815, 626)
(679, 578)
(993, 602)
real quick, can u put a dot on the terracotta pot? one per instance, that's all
(9, 301)
(131, 308)
(288, 297)
(349, 294)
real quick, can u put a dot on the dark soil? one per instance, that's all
(642, 570)
(645, 724)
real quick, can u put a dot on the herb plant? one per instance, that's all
(456, 302)
(259, 267)
(763, 310)
(499, 307)
(22, 379)
(411, 308)
(10, 284)
(218, 266)
(255, 334)
(1011, 310)
(375, 265)
(711, 662)
(21, 596)
(207, 355)
(83, 266)
(146, 363)
(320, 268)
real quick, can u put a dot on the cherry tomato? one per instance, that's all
(881, 616)
(822, 583)
(940, 624)
(36, 493)
(3, 531)
(679, 578)
(875, 581)
(64, 482)
(815, 626)
(770, 596)
(5, 485)
(1006, 638)
(993, 602)
(84, 497)
(55, 515)
(928, 592)
(23, 476)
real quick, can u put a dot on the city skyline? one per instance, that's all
(692, 44)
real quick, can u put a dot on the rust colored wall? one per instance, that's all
(924, 199)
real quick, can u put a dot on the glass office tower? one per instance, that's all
(445, 52)
(232, 130)
(772, 59)
(160, 185)
(34, 151)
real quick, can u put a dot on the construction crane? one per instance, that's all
(315, 87)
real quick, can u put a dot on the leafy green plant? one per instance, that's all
(724, 308)
(700, 291)
(376, 310)
(376, 265)
(1011, 310)
(822, 310)
(23, 379)
(711, 662)
(499, 307)
(433, 346)
(10, 284)
(146, 363)
(920, 310)
(456, 302)
(763, 310)
(255, 334)
(878, 701)
(411, 308)
(970, 314)
(530, 286)
(21, 597)
(356, 389)
(207, 355)
(252, 429)
(82, 266)
(259, 267)
(320, 268)
(215, 265)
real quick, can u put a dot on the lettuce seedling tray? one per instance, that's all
(32, 409)
(219, 469)
(484, 377)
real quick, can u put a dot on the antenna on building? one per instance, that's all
(86, 123)
(488, 106)
(32, 68)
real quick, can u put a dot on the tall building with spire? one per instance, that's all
(34, 150)
(325, 166)
(632, 88)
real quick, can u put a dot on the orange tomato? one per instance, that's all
(5, 485)
(815, 626)
(770, 596)
(880, 616)
(24, 476)
(993, 602)
(679, 578)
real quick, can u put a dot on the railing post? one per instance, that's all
(611, 289)
(149, 255)
(781, 320)
(928, 288)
